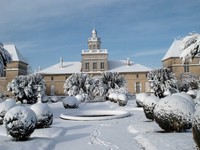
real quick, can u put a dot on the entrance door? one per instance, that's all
(52, 89)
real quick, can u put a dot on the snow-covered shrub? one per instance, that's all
(75, 84)
(122, 99)
(149, 105)
(26, 87)
(163, 80)
(54, 99)
(192, 93)
(114, 83)
(44, 115)
(174, 113)
(70, 102)
(96, 90)
(4, 107)
(20, 122)
(188, 81)
(4, 57)
(80, 97)
(190, 46)
(45, 99)
(167, 93)
(187, 97)
(140, 99)
(196, 127)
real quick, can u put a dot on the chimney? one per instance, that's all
(61, 62)
(128, 61)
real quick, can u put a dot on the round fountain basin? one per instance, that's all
(96, 115)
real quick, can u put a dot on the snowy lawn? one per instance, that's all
(131, 133)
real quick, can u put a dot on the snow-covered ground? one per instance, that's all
(131, 133)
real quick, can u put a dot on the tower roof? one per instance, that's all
(14, 52)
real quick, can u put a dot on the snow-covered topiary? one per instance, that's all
(4, 107)
(80, 97)
(45, 99)
(26, 87)
(196, 127)
(149, 105)
(70, 102)
(122, 99)
(174, 113)
(44, 115)
(54, 99)
(140, 97)
(186, 96)
(192, 93)
(20, 122)
(163, 80)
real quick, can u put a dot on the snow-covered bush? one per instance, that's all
(44, 115)
(149, 105)
(4, 107)
(80, 97)
(95, 88)
(4, 58)
(54, 99)
(174, 113)
(163, 80)
(192, 93)
(75, 84)
(26, 87)
(113, 97)
(187, 97)
(196, 127)
(70, 102)
(190, 47)
(20, 122)
(140, 99)
(114, 83)
(122, 99)
(188, 81)
(45, 99)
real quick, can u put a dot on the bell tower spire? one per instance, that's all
(94, 42)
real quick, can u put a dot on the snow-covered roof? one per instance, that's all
(67, 68)
(180, 48)
(75, 67)
(14, 52)
(174, 50)
(122, 66)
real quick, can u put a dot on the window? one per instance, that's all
(93, 46)
(137, 75)
(94, 65)
(102, 65)
(87, 67)
(186, 67)
(138, 87)
(3, 74)
(51, 78)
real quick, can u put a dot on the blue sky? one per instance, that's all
(143, 30)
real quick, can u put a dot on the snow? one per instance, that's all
(134, 132)
(75, 67)
(15, 54)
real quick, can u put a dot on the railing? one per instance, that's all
(87, 51)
